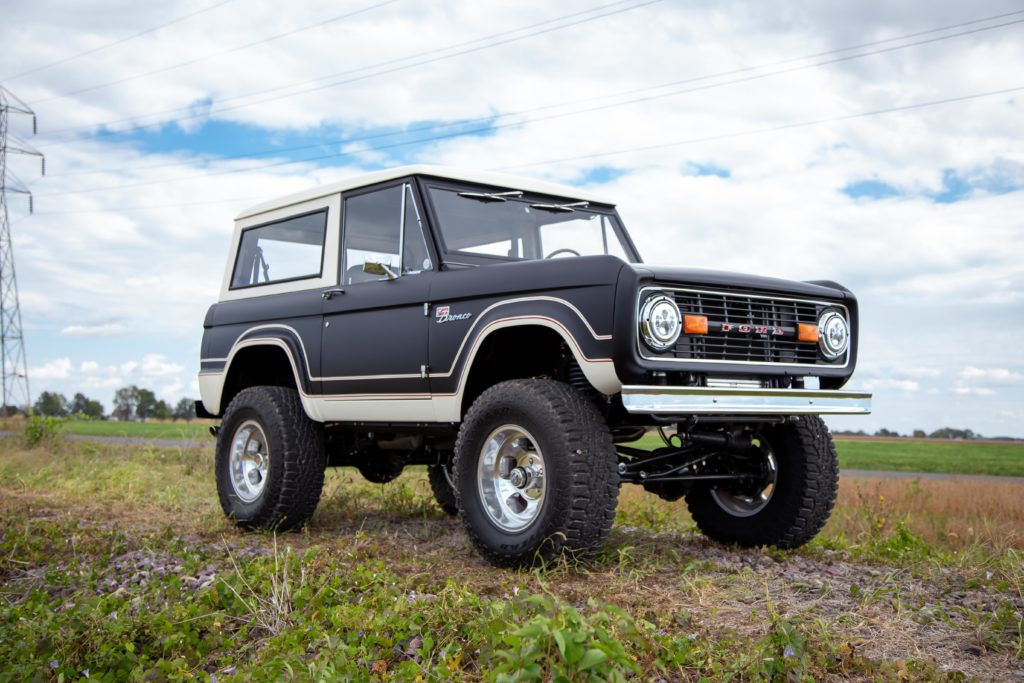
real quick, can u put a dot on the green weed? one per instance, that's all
(42, 430)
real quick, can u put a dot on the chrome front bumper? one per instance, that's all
(742, 401)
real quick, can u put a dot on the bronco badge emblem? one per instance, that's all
(444, 315)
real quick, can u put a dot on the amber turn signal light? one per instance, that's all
(696, 324)
(807, 333)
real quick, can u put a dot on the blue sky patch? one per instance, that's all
(601, 174)
(322, 145)
(708, 169)
(954, 188)
(999, 178)
(870, 189)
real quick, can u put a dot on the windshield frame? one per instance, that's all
(458, 258)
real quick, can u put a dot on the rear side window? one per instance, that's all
(292, 249)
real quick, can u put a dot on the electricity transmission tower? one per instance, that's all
(12, 344)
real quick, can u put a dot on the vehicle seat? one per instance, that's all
(355, 275)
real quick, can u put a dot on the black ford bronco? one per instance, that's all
(505, 333)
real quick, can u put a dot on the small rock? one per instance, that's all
(973, 650)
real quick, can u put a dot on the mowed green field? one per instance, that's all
(949, 457)
(188, 431)
(952, 457)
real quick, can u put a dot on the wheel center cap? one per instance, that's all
(519, 477)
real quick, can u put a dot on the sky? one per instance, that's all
(877, 144)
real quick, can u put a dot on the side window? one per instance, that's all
(291, 249)
(383, 227)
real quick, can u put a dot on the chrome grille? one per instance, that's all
(749, 328)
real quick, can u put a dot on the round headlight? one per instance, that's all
(659, 322)
(833, 334)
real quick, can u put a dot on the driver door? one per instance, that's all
(374, 343)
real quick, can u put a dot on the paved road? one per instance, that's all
(875, 474)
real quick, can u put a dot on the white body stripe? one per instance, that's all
(600, 372)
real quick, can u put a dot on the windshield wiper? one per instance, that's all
(492, 196)
(561, 208)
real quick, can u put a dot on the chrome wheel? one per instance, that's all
(249, 461)
(752, 500)
(510, 478)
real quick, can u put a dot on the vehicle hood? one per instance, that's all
(720, 278)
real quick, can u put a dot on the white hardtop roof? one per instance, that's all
(502, 180)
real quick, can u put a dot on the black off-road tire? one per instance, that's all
(580, 471)
(805, 491)
(297, 460)
(443, 488)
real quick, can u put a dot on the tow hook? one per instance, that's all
(214, 430)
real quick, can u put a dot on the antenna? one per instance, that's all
(14, 367)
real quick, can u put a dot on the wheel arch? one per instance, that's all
(548, 342)
(269, 361)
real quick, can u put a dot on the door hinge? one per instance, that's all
(426, 309)
(424, 371)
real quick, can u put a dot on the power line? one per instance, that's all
(492, 128)
(494, 117)
(151, 207)
(117, 42)
(676, 143)
(770, 129)
(455, 46)
(196, 60)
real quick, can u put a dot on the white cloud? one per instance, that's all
(1002, 376)
(973, 381)
(906, 385)
(97, 380)
(156, 365)
(918, 372)
(973, 391)
(102, 330)
(59, 368)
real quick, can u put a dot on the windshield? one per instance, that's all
(505, 225)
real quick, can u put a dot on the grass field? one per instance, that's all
(953, 457)
(116, 560)
(185, 431)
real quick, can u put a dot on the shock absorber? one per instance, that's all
(576, 379)
(721, 440)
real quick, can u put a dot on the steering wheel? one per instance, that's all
(556, 252)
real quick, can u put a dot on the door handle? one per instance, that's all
(329, 294)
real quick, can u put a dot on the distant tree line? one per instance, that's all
(944, 433)
(130, 403)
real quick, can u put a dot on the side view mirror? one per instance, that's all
(378, 268)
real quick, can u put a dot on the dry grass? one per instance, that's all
(949, 513)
